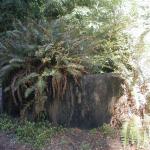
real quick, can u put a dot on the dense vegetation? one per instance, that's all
(56, 40)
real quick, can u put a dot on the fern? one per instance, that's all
(133, 132)
(27, 78)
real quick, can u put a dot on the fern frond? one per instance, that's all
(16, 60)
(27, 78)
(8, 68)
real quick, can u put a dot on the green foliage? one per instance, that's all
(31, 56)
(130, 133)
(107, 130)
(18, 9)
(6, 124)
(106, 46)
(80, 37)
(35, 134)
(133, 132)
(57, 8)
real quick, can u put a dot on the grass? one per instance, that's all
(35, 134)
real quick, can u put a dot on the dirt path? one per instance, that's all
(74, 139)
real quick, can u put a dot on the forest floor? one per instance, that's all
(74, 139)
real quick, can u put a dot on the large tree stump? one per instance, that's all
(89, 104)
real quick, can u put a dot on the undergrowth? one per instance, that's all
(136, 132)
(106, 130)
(32, 133)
